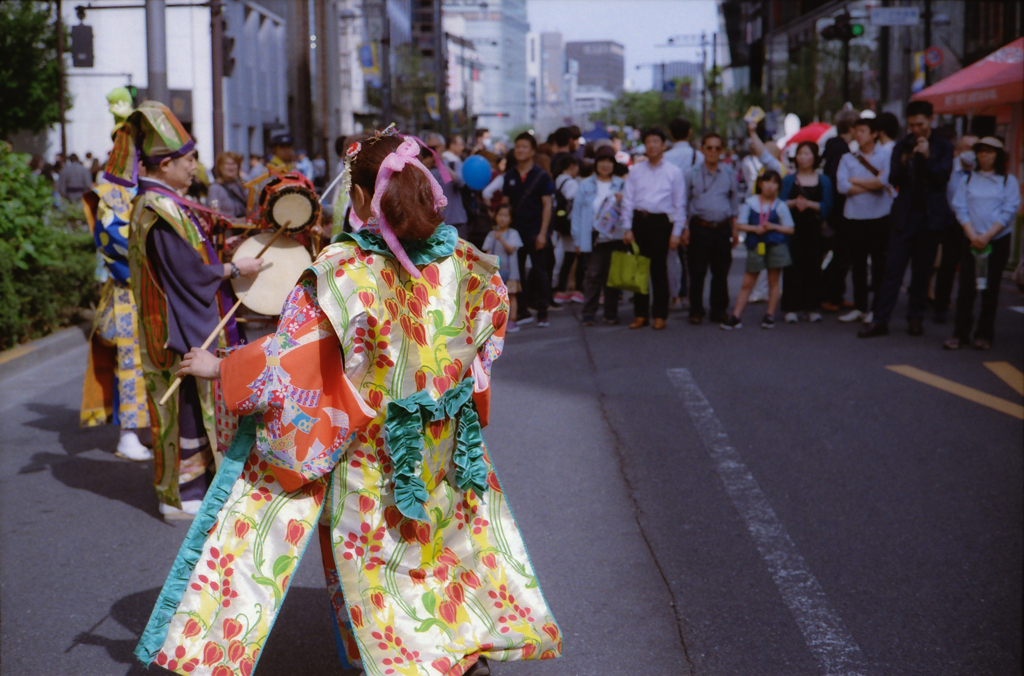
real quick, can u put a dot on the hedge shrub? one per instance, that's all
(47, 255)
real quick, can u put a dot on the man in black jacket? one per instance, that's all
(839, 241)
(920, 168)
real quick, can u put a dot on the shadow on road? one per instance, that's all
(114, 479)
(302, 640)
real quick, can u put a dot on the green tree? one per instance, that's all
(29, 70)
(645, 109)
(47, 256)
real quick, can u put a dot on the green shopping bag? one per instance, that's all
(629, 271)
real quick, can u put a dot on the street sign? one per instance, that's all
(895, 16)
(432, 106)
(933, 57)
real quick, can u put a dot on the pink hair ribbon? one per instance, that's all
(406, 154)
(445, 174)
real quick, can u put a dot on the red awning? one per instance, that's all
(982, 87)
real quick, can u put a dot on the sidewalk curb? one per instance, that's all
(35, 352)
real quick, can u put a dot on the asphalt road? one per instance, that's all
(695, 502)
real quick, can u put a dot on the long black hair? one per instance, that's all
(1000, 164)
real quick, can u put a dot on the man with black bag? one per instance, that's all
(862, 179)
(529, 189)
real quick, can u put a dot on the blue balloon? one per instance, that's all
(476, 172)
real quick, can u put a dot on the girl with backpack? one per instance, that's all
(769, 225)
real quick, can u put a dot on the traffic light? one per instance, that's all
(842, 29)
(81, 46)
(134, 91)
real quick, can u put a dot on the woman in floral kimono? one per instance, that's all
(366, 409)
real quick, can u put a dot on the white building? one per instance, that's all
(119, 59)
(465, 68)
(498, 30)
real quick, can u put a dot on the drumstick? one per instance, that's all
(206, 343)
(280, 231)
(227, 315)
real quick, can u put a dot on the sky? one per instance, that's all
(639, 25)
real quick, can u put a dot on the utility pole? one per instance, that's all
(61, 103)
(324, 55)
(217, 66)
(927, 39)
(714, 75)
(156, 52)
(846, 71)
(441, 68)
(704, 77)
(385, 64)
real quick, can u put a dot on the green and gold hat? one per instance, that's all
(151, 133)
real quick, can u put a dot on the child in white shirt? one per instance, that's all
(504, 242)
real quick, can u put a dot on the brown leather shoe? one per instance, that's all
(829, 307)
(658, 325)
(873, 330)
(639, 323)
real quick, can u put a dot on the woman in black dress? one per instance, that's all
(808, 194)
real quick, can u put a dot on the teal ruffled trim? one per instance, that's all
(470, 468)
(230, 469)
(403, 428)
(420, 251)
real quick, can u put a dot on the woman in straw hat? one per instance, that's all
(363, 425)
(985, 205)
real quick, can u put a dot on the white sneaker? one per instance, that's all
(130, 448)
(189, 509)
(868, 318)
(815, 317)
(511, 327)
(791, 318)
(851, 316)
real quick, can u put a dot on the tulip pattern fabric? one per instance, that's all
(380, 378)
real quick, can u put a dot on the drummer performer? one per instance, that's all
(182, 290)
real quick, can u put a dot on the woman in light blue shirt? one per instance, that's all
(597, 228)
(985, 205)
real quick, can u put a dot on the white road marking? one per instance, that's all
(823, 629)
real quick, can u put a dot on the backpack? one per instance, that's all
(560, 218)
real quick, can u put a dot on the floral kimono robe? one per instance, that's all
(366, 412)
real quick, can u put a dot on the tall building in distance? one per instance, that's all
(602, 64)
(498, 31)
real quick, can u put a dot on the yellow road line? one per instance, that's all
(969, 393)
(1008, 374)
(14, 353)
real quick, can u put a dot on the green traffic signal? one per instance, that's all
(856, 30)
